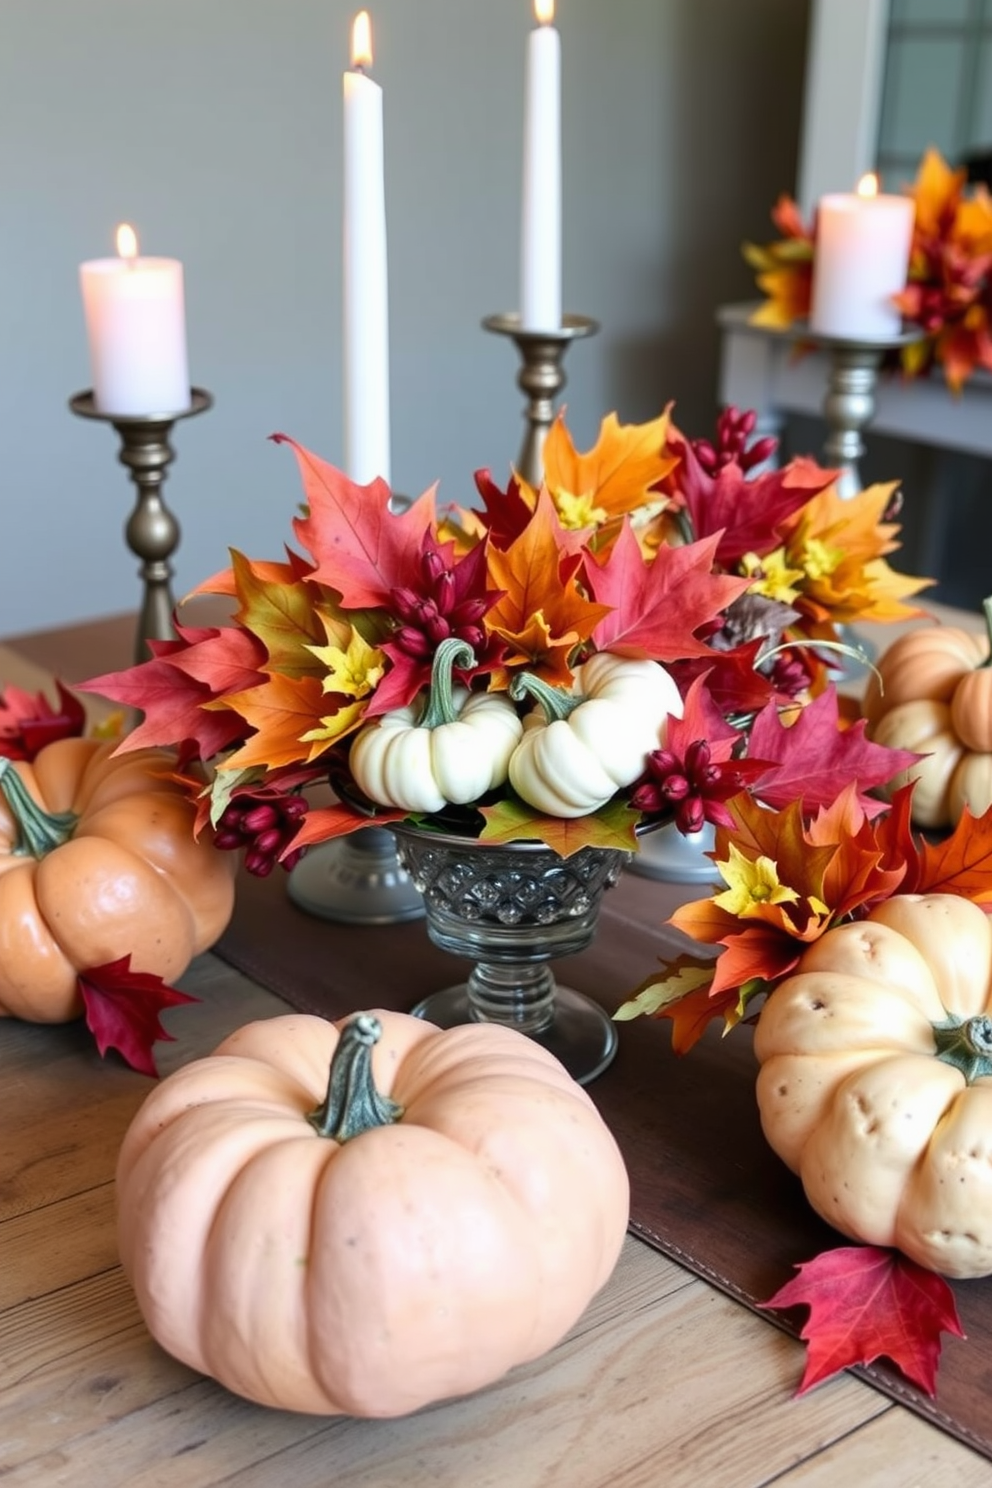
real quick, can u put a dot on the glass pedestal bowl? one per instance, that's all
(511, 909)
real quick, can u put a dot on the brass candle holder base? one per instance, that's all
(541, 377)
(152, 531)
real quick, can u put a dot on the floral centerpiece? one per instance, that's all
(563, 665)
(948, 293)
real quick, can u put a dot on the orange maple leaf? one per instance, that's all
(838, 546)
(281, 710)
(543, 614)
(616, 476)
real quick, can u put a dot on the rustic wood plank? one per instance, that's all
(895, 1450)
(629, 1398)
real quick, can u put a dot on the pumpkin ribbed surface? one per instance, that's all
(130, 880)
(415, 1261)
(864, 1090)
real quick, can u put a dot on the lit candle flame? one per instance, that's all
(868, 185)
(544, 12)
(361, 40)
(127, 242)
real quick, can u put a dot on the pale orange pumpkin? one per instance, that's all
(932, 693)
(971, 704)
(926, 663)
(441, 1209)
(98, 861)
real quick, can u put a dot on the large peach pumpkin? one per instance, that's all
(98, 861)
(441, 1209)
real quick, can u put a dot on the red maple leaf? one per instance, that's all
(122, 1010)
(732, 680)
(743, 511)
(657, 605)
(28, 721)
(174, 687)
(866, 1303)
(361, 548)
(814, 758)
(505, 513)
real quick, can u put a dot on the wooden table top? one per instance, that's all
(664, 1382)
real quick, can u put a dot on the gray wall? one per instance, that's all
(215, 127)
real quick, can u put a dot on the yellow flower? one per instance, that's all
(577, 512)
(751, 884)
(771, 575)
(819, 559)
(355, 671)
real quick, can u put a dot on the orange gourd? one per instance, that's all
(932, 693)
(441, 1208)
(98, 861)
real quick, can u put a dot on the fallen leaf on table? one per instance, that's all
(866, 1303)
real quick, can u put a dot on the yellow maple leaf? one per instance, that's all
(936, 192)
(682, 976)
(278, 607)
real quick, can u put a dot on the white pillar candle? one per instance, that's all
(540, 224)
(366, 302)
(860, 262)
(136, 325)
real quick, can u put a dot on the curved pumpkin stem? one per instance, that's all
(966, 1043)
(557, 703)
(352, 1104)
(38, 831)
(440, 708)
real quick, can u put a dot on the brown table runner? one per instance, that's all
(705, 1187)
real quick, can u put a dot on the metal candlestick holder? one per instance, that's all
(152, 531)
(541, 377)
(849, 404)
(358, 879)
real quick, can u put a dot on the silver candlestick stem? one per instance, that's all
(358, 879)
(152, 531)
(541, 377)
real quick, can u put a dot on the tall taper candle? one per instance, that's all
(540, 224)
(366, 300)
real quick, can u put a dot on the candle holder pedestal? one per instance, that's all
(541, 377)
(356, 880)
(152, 531)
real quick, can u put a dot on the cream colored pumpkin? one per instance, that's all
(376, 1271)
(865, 1091)
(925, 728)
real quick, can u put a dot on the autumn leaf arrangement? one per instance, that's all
(948, 293)
(433, 664)
(785, 878)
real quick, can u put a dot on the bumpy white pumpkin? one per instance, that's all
(876, 1079)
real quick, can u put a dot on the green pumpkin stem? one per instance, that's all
(440, 701)
(352, 1104)
(966, 1043)
(556, 703)
(38, 831)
